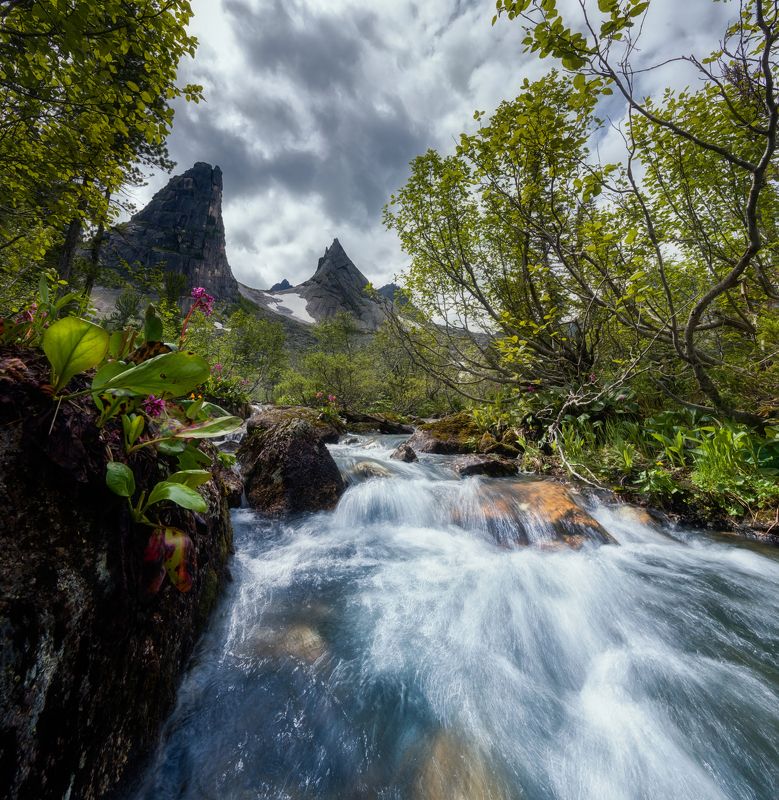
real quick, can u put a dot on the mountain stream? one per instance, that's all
(410, 646)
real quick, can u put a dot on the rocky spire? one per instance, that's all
(337, 285)
(181, 229)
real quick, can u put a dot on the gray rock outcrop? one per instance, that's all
(337, 285)
(181, 230)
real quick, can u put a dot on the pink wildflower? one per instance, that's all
(153, 406)
(331, 398)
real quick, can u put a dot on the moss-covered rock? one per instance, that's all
(457, 433)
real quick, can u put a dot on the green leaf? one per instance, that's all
(193, 409)
(210, 428)
(133, 427)
(171, 447)
(191, 477)
(630, 237)
(190, 457)
(179, 494)
(106, 372)
(73, 345)
(170, 374)
(152, 327)
(119, 479)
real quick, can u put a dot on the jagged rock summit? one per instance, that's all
(337, 285)
(181, 229)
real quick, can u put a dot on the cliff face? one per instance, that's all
(181, 229)
(337, 285)
(89, 662)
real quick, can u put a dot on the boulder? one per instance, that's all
(370, 469)
(285, 464)
(329, 429)
(91, 658)
(368, 423)
(548, 511)
(457, 433)
(404, 452)
(490, 465)
(540, 513)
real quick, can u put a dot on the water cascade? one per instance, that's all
(442, 639)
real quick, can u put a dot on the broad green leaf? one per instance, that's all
(133, 427)
(179, 494)
(106, 372)
(171, 447)
(193, 408)
(120, 479)
(73, 345)
(190, 457)
(170, 374)
(191, 477)
(210, 428)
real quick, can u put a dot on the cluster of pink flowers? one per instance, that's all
(331, 398)
(203, 301)
(153, 406)
(217, 369)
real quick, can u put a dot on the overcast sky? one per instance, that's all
(314, 109)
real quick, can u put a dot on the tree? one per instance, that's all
(85, 93)
(706, 208)
(577, 275)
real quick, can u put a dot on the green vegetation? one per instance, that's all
(603, 297)
(85, 91)
(352, 371)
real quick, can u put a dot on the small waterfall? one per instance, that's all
(444, 639)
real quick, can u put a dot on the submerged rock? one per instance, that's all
(285, 464)
(404, 452)
(490, 465)
(370, 469)
(539, 513)
(453, 770)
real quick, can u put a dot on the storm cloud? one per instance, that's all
(314, 109)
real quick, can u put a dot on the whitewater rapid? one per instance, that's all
(402, 648)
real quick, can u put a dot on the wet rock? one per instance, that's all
(637, 515)
(453, 770)
(90, 660)
(370, 469)
(451, 435)
(232, 487)
(550, 507)
(329, 429)
(490, 465)
(370, 423)
(285, 464)
(299, 641)
(404, 452)
(349, 440)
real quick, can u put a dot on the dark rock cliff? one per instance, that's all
(89, 662)
(181, 229)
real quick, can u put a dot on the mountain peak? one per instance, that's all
(180, 230)
(337, 285)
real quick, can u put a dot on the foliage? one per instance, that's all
(85, 92)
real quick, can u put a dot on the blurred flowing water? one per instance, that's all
(401, 648)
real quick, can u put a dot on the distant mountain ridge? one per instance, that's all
(182, 231)
(336, 286)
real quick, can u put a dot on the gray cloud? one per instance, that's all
(313, 111)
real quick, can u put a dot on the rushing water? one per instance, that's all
(398, 648)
